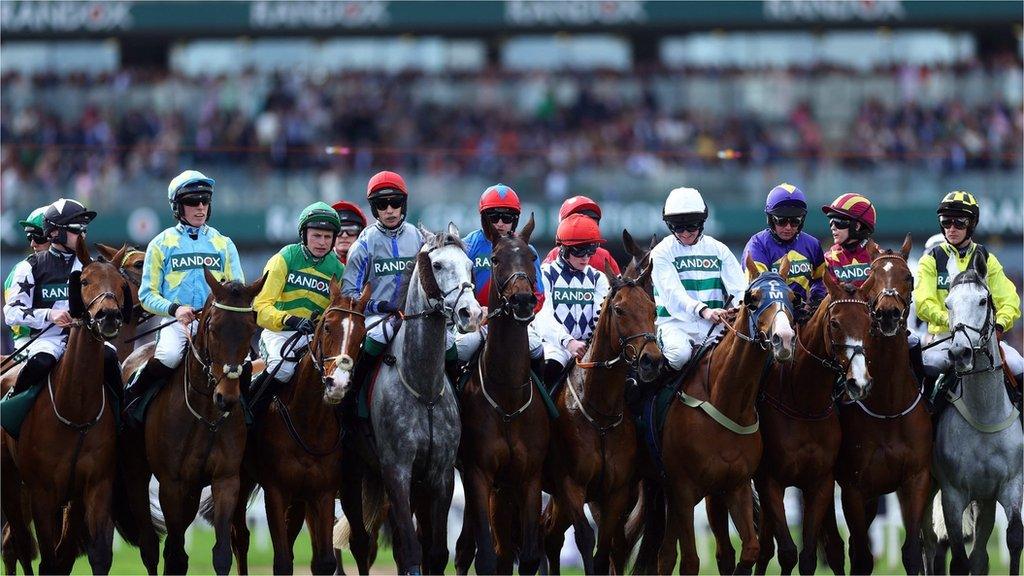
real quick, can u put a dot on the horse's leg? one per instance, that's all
(240, 528)
(718, 521)
(1010, 499)
(832, 541)
(855, 510)
(351, 495)
(913, 496)
(817, 500)
(137, 474)
(529, 526)
(773, 513)
(570, 504)
(477, 484)
(679, 529)
(982, 531)
(440, 503)
(398, 480)
(611, 526)
(46, 517)
(277, 511)
(18, 542)
(297, 514)
(99, 524)
(465, 546)
(766, 530)
(742, 511)
(501, 519)
(225, 498)
(954, 502)
(555, 521)
(179, 503)
(320, 517)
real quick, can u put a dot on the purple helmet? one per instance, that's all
(786, 200)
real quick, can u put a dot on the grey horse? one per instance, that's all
(979, 447)
(414, 411)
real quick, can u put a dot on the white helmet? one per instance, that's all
(684, 201)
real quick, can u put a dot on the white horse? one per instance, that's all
(979, 447)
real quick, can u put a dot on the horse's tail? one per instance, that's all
(650, 516)
(755, 503)
(375, 510)
(206, 506)
(939, 521)
(124, 520)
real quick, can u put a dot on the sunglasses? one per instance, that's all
(589, 214)
(349, 231)
(581, 250)
(787, 221)
(385, 203)
(958, 223)
(36, 237)
(840, 223)
(685, 226)
(193, 201)
(504, 217)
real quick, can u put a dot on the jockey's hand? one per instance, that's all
(61, 318)
(576, 348)
(715, 315)
(385, 307)
(302, 325)
(730, 314)
(185, 315)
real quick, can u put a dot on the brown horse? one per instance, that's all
(506, 429)
(193, 435)
(66, 452)
(592, 457)
(129, 263)
(887, 437)
(800, 425)
(295, 453)
(715, 450)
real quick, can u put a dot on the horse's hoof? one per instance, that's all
(414, 571)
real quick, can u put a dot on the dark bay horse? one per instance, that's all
(67, 448)
(194, 434)
(711, 440)
(887, 437)
(129, 263)
(506, 428)
(295, 452)
(592, 457)
(800, 426)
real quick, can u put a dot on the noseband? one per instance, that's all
(506, 307)
(832, 363)
(775, 293)
(625, 342)
(984, 333)
(876, 314)
(90, 322)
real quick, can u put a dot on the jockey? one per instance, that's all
(499, 205)
(379, 257)
(587, 207)
(38, 242)
(851, 217)
(693, 276)
(958, 216)
(786, 211)
(296, 291)
(575, 292)
(40, 298)
(173, 283)
(352, 223)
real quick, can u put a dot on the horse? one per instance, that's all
(592, 457)
(193, 435)
(887, 436)
(66, 451)
(979, 442)
(800, 426)
(506, 429)
(129, 263)
(295, 451)
(707, 451)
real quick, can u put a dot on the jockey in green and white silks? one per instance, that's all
(693, 276)
(173, 283)
(33, 226)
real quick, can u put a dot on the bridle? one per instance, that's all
(316, 355)
(985, 334)
(876, 317)
(628, 352)
(441, 306)
(832, 363)
(506, 307)
(205, 363)
(776, 293)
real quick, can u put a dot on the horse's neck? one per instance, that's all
(421, 340)
(78, 382)
(736, 370)
(889, 362)
(124, 347)
(603, 388)
(506, 357)
(983, 392)
(813, 390)
(306, 403)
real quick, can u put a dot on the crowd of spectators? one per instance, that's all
(89, 130)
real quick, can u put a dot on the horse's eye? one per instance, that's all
(981, 302)
(619, 311)
(138, 265)
(495, 261)
(84, 282)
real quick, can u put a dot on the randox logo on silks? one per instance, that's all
(852, 272)
(798, 266)
(181, 262)
(390, 266)
(54, 292)
(942, 280)
(570, 296)
(308, 282)
(701, 263)
(482, 262)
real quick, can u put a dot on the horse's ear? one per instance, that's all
(215, 287)
(426, 234)
(872, 248)
(784, 268)
(527, 230)
(908, 245)
(631, 248)
(868, 284)
(751, 268)
(82, 251)
(427, 280)
(365, 296)
(453, 229)
(256, 287)
(608, 271)
(127, 303)
(652, 243)
(333, 288)
(117, 259)
(832, 285)
(979, 264)
(106, 251)
(646, 269)
(76, 307)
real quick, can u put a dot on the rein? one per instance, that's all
(505, 416)
(506, 306)
(186, 380)
(831, 363)
(876, 319)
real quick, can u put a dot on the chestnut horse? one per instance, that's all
(66, 451)
(592, 457)
(800, 425)
(129, 264)
(887, 437)
(295, 451)
(506, 428)
(194, 435)
(711, 439)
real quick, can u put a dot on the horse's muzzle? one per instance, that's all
(856, 392)
(224, 403)
(781, 349)
(649, 367)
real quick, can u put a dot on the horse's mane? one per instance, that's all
(969, 276)
(439, 240)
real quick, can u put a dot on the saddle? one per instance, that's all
(15, 407)
(538, 383)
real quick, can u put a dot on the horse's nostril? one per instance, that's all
(464, 315)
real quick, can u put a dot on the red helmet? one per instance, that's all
(854, 207)
(386, 183)
(578, 204)
(349, 213)
(499, 196)
(578, 229)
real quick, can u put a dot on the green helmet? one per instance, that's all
(34, 222)
(318, 215)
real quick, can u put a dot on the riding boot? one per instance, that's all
(917, 360)
(112, 373)
(152, 376)
(537, 366)
(34, 371)
(361, 376)
(552, 374)
(272, 388)
(454, 369)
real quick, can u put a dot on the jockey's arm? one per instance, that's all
(152, 279)
(18, 309)
(930, 308)
(549, 328)
(356, 273)
(1004, 294)
(267, 316)
(232, 264)
(671, 294)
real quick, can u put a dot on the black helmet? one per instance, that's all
(66, 215)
